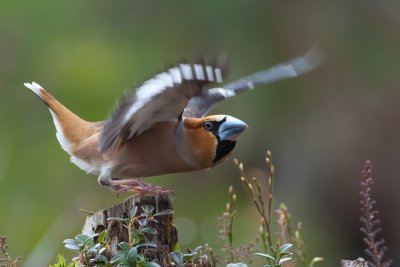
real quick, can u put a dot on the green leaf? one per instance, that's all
(103, 236)
(176, 257)
(284, 254)
(132, 257)
(197, 249)
(119, 257)
(81, 239)
(148, 230)
(275, 249)
(188, 256)
(285, 247)
(124, 246)
(315, 260)
(70, 241)
(284, 260)
(147, 209)
(143, 222)
(133, 211)
(90, 243)
(72, 247)
(265, 256)
(151, 264)
(102, 258)
(101, 250)
(99, 259)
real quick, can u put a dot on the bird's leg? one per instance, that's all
(130, 185)
(139, 186)
(105, 179)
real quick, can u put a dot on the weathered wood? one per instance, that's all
(166, 238)
(360, 262)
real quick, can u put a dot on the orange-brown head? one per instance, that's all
(209, 140)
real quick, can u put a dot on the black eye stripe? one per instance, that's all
(214, 125)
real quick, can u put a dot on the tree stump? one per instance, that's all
(360, 262)
(165, 239)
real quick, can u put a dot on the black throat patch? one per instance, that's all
(223, 149)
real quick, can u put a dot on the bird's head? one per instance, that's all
(210, 140)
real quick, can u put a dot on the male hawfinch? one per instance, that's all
(161, 127)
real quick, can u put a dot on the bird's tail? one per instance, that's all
(71, 129)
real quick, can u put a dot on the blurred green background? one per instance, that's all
(320, 127)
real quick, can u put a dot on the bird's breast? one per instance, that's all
(153, 152)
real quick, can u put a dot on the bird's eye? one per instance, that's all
(208, 125)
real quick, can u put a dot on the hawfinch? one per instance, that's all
(162, 126)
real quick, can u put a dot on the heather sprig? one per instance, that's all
(370, 223)
(5, 258)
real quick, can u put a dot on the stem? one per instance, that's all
(230, 229)
(271, 177)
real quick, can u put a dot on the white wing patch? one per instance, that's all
(161, 82)
(218, 75)
(210, 75)
(199, 72)
(175, 75)
(145, 93)
(166, 78)
(186, 71)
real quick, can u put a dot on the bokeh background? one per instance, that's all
(320, 127)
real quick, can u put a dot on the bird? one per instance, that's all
(162, 127)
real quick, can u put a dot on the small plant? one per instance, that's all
(62, 263)
(5, 258)
(276, 252)
(95, 250)
(279, 256)
(199, 255)
(370, 223)
(87, 248)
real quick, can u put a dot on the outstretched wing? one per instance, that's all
(161, 98)
(198, 106)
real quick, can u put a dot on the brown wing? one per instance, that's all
(161, 98)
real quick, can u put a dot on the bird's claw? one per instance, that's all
(140, 188)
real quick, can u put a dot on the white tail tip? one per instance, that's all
(34, 87)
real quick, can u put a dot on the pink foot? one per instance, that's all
(140, 187)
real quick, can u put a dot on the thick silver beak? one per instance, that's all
(231, 128)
